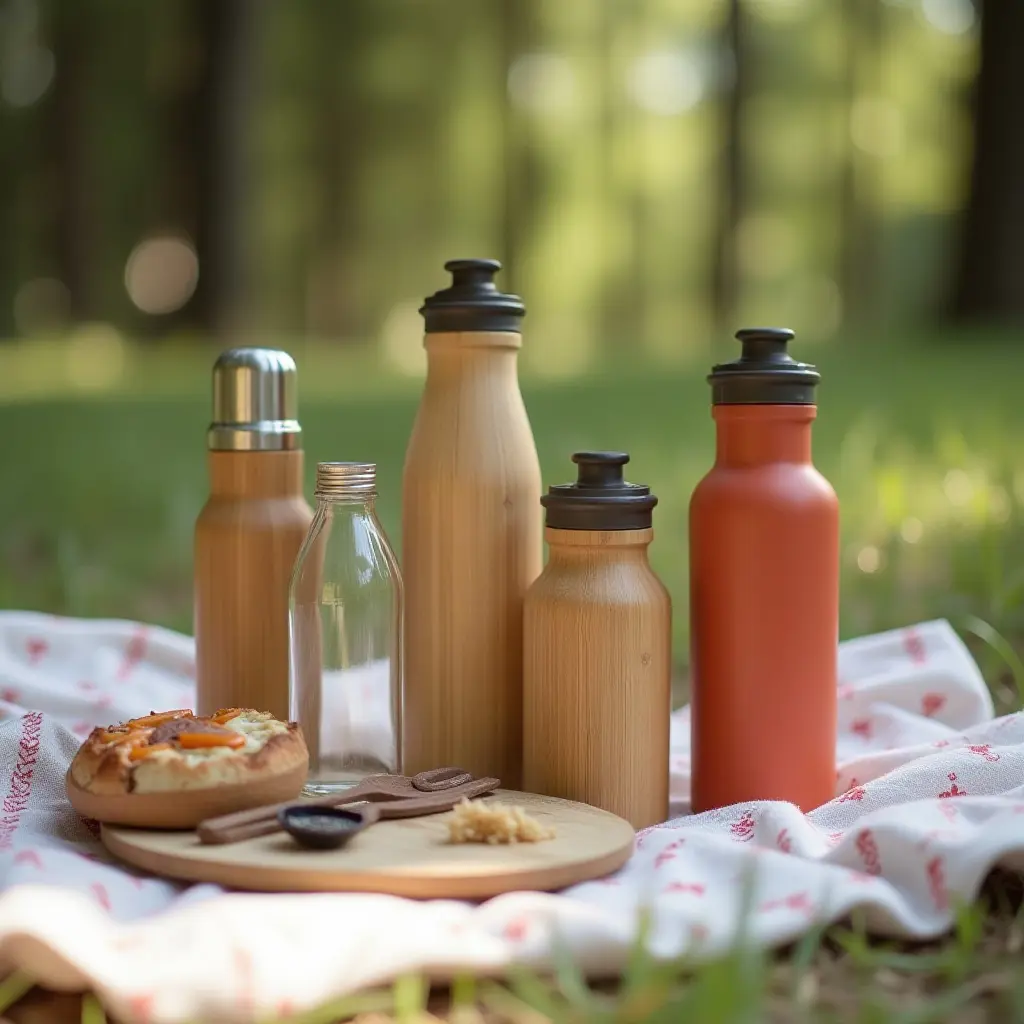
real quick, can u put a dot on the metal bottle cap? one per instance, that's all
(254, 402)
(345, 481)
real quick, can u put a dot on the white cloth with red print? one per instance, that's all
(929, 798)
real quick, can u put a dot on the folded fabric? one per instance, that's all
(929, 798)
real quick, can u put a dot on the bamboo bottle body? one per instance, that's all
(471, 546)
(764, 604)
(247, 538)
(597, 676)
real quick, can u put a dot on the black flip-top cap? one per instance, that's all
(765, 373)
(600, 499)
(472, 302)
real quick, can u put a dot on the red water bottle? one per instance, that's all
(764, 590)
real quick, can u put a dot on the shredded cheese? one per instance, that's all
(478, 822)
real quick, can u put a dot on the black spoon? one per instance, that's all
(326, 828)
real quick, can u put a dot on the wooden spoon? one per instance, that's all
(385, 789)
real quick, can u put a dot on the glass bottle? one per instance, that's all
(345, 634)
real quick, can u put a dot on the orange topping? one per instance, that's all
(137, 753)
(196, 740)
(130, 736)
(163, 716)
(226, 714)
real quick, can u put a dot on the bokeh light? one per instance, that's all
(666, 82)
(951, 17)
(542, 82)
(161, 274)
(26, 76)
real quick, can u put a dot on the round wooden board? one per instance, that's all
(410, 857)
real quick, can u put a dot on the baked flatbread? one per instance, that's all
(174, 752)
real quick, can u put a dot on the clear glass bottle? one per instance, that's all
(345, 634)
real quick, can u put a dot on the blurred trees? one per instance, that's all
(990, 283)
(650, 172)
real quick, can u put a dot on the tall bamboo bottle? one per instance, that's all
(764, 590)
(471, 533)
(248, 534)
(598, 635)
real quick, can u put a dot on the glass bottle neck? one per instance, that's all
(356, 504)
(751, 435)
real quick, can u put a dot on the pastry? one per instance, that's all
(172, 769)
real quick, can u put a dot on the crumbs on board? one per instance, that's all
(477, 822)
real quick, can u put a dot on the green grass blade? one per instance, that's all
(983, 631)
(13, 988)
(92, 1010)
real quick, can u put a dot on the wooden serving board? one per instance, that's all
(410, 857)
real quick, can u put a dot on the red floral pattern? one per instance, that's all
(867, 847)
(694, 888)
(914, 646)
(853, 793)
(36, 647)
(936, 872)
(19, 788)
(954, 789)
(743, 828)
(862, 727)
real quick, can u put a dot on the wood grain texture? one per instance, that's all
(597, 675)
(410, 857)
(471, 545)
(246, 541)
(184, 808)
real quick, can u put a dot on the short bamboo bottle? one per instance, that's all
(248, 534)
(597, 650)
(471, 534)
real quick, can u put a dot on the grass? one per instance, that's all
(922, 440)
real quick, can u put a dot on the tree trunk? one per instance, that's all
(725, 273)
(987, 283)
(207, 183)
(509, 23)
(73, 231)
(862, 37)
(341, 119)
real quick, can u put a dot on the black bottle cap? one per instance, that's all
(765, 373)
(601, 499)
(472, 302)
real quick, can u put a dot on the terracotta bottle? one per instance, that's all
(597, 662)
(764, 590)
(248, 534)
(471, 534)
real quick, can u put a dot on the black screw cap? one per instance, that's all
(765, 373)
(601, 498)
(472, 302)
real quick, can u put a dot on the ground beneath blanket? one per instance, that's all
(974, 975)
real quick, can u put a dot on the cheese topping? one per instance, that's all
(153, 770)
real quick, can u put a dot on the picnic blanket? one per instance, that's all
(929, 797)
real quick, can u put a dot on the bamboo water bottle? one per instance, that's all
(248, 534)
(597, 687)
(471, 533)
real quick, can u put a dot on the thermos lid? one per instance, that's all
(254, 402)
(600, 499)
(472, 302)
(765, 373)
